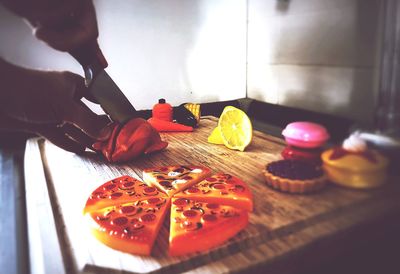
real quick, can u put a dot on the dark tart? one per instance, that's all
(294, 176)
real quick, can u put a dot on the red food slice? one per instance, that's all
(129, 227)
(221, 188)
(131, 140)
(172, 179)
(197, 226)
(120, 190)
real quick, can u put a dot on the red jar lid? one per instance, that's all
(307, 155)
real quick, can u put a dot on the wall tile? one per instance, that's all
(337, 35)
(295, 7)
(262, 84)
(346, 92)
(319, 55)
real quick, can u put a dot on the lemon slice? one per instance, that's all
(236, 129)
(215, 137)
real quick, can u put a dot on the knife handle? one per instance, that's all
(90, 54)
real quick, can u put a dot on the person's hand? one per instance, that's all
(48, 103)
(64, 24)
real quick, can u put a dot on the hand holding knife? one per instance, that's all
(131, 137)
(71, 26)
(100, 85)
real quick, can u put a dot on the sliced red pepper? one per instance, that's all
(131, 140)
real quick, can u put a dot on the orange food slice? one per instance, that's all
(120, 190)
(172, 179)
(199, 226)
(130, 227)
(221, 188)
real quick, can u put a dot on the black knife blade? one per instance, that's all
(100, 85)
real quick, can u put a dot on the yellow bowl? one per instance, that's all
(355, 171)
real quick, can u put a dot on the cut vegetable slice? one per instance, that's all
(172, 179)
(120, 190)
(221, 188)
(199, 226)
(129, 227)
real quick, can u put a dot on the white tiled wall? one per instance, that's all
(319, 55)
(177, 49)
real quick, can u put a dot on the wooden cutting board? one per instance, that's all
(58, 184)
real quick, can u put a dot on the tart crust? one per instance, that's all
(294, 185)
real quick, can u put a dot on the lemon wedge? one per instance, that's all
(235, 128)
(215, 137)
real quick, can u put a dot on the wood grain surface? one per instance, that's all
(59, 183)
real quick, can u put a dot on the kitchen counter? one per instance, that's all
(287, 233)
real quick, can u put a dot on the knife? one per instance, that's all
(100, 86)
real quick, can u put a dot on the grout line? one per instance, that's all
(321, 65)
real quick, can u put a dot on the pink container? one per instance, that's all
(305, 134)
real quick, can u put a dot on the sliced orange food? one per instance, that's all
(129, 227)
(220, 188)
(120, 190)
(172, 179)
(200, 226)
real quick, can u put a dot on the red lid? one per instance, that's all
(162, 111)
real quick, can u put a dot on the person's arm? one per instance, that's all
(45, 102)
(64, 24)
(48, 103)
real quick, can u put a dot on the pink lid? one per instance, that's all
(306, 131)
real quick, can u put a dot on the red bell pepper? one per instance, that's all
(130, 140)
